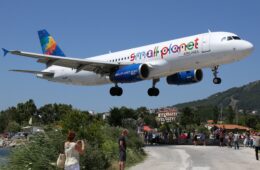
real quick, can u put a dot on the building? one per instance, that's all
(167, 115)
(104, 115)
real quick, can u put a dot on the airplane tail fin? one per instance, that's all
(49, 45)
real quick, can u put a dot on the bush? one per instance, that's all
(39, 153)
(94, 159)
(13, 127)
(134, 156)
(101, 150)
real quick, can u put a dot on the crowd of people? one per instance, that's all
(247, 139)
(72, 148)
(234, 139)
(218, 136)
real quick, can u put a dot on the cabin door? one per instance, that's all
(206, 43)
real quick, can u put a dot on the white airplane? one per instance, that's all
(179, 60)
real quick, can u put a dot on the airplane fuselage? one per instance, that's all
(166, 58)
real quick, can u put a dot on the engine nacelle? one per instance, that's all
(185, 77)
(131, 73)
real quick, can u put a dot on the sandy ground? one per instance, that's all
(198, 158)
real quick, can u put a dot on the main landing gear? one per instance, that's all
(216, 79)
(154, 91)
(116, 91)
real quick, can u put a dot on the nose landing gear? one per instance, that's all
(154, 91)
(216, 79)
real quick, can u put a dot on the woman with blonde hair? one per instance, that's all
(72, 151)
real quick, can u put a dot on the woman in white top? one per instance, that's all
(72, 151)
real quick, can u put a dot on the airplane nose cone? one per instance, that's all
(247, 47)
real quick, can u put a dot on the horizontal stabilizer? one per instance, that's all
(35, 72)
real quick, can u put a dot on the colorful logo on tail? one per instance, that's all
(49, 45)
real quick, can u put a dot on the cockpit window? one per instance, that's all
(223, 39)
(236, 38)
(229, 38)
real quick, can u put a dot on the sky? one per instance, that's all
(88, 28)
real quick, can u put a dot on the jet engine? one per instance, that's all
(185, 77)
(130, 74)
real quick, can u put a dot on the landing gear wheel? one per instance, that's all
(150, 91)
(217, 80)
(116, 91)
(112, 91)
(156, 91)
(153, 91)
(119, 91)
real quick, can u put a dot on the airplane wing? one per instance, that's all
(98, 67)
(35, 72)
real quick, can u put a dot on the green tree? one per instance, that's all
(147, 117)
(251, 122)
(142, 112)
(60, 110)
(115, 117)
(230, 115)
(150, 120)
(128, 113)
(215, 114)
(4, 119)
(13, 115)
(257, 127)
(186, 117)
(13, 127)
(47, 114)
(75, 120)
(25, 111)
(129, 123)
(197, 118)
(165, 127)
(204, 113)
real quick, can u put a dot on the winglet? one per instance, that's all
(5, 51)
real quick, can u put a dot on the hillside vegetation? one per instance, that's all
(246, 98)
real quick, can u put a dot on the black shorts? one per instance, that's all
(122, 156)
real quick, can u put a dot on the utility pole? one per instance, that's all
(236, 114)
(221, 113)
